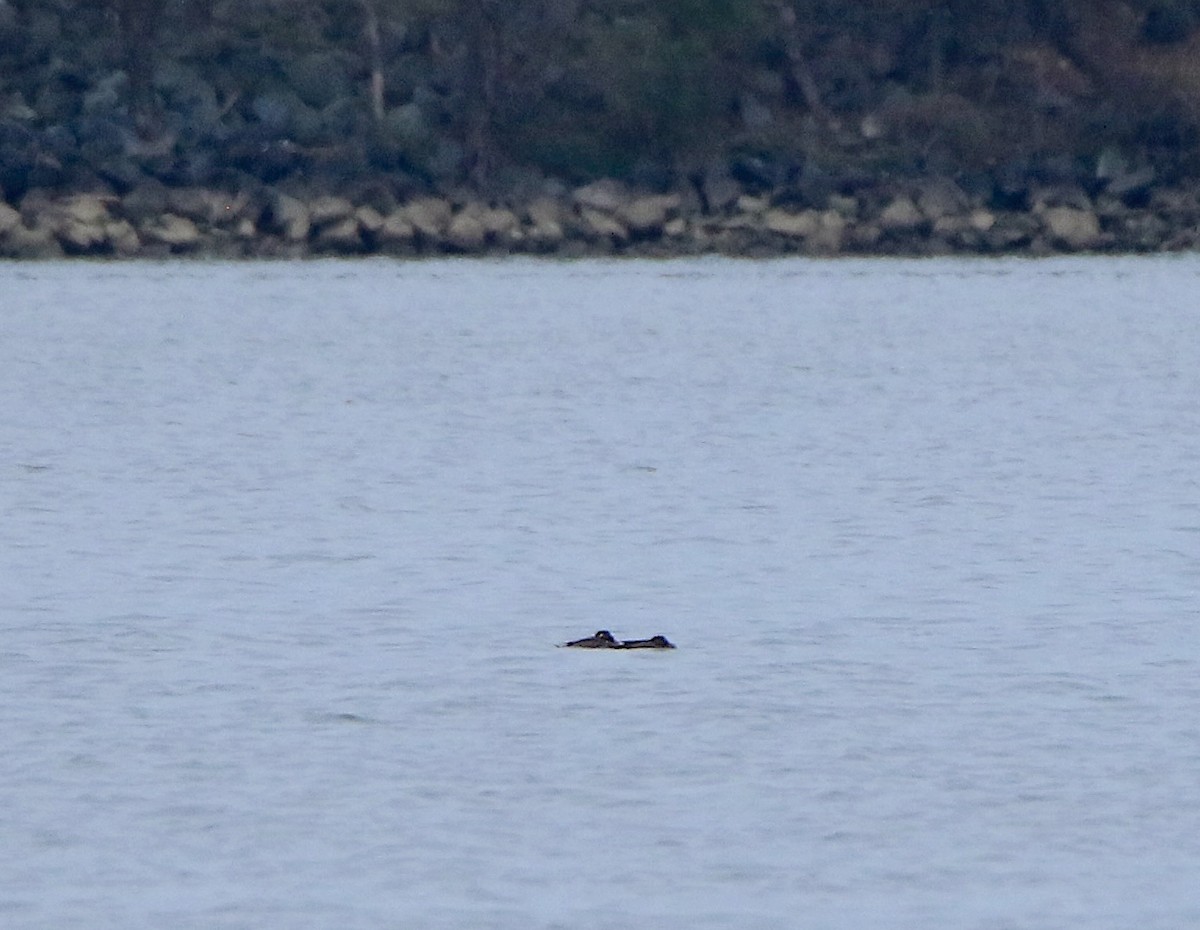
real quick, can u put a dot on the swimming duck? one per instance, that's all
(601, 639)
(654, 642)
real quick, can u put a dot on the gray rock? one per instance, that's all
(429, 216)
(864, 236)
(941, 197)
(78, 222)
(318, 78)
(102, 137)
(369, 219)
(792, 225)
(404, 135)
(545, 235)
(177, 232)
(407, 124)
(199, 204)
(606, 195)
(848, 206)
(1011, 230)
(1134, 183)
(981, 220)
(675, 228)
(308, 126)
(14, 107)
(1147, 231)
(339, 121)
(188, 96)
(1073, 228)
(598, 225)
(1060, 195)
(646, 215)
(465, 232)
(123, 172)
(291, 217)
(720, 191)
(395, 230)
(81, 238)
(107, 94)
(329, 209)
(10, 218)
(1175, 203)
(122, 237)
(822, 230)
(37, 242)
(545, 210)
(274, 109)
(404, 74)
(500, 224)
(735, 222)
(340, 236)
(245, 229)
(147, 199)
(1110, 164)
(448, 160)
(753, 205)
(901, 215)
(87, 209)
(872, 127)
(831, 233)
(755, 114)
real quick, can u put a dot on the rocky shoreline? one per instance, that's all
(606, 217)
(148, 128)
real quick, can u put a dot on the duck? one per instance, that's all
(601, 639)
(654, 642)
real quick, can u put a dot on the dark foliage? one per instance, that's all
(466, 90)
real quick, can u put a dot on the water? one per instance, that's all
(287, 547)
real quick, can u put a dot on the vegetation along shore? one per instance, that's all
(292, 128)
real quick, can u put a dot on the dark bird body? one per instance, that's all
(654, 642)
(601, 639)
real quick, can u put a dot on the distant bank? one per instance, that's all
(297, 128)
(717, 215)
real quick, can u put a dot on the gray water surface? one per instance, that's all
(287, 548)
